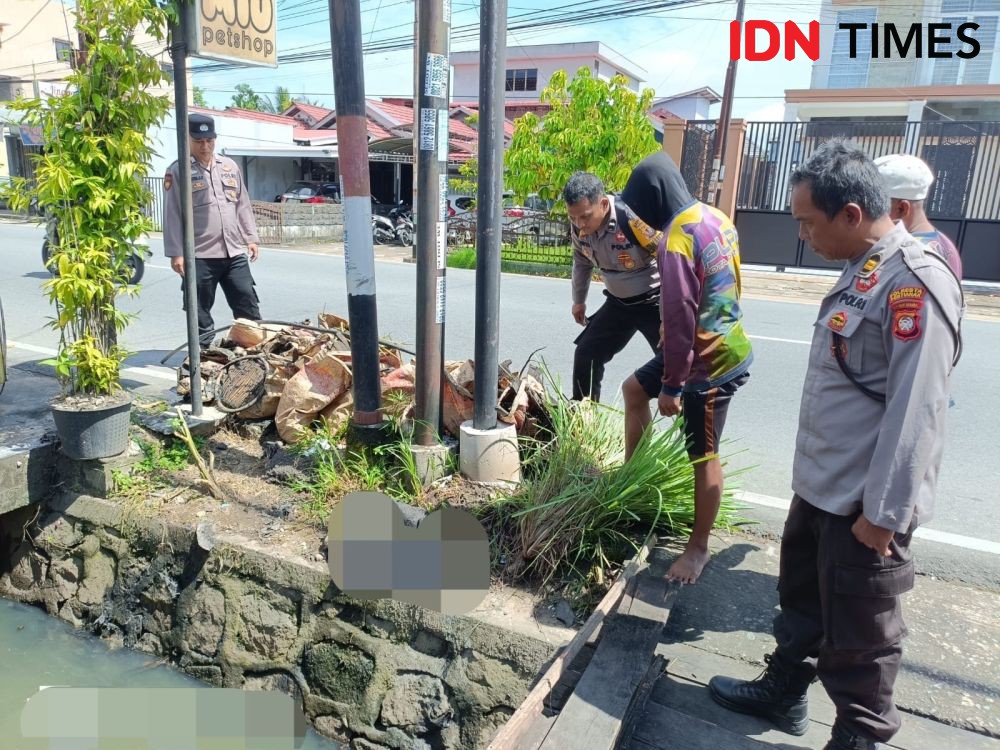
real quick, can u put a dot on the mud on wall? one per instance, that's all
(376, 674)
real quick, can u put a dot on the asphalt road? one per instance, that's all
(535, 312)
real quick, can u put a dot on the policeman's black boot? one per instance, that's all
(845, 739)
(778, 694)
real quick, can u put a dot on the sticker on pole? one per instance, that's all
(428, 128)
(442, 243)
(446, 11)
(442, 135)
(443, 197)
(436, 76)
(439, 312)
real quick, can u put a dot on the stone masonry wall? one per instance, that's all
(374, 674)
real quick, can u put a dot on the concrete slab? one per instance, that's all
(949, 670)
(27, 437)
(24, 406)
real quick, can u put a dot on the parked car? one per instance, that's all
(305, 191)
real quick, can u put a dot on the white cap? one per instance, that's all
(904, 176)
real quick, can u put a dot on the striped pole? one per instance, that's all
(359, 255)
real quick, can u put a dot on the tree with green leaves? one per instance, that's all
(468, 182)
(246, 98)
(281, 100)
(198, 96)
(593, 125)
(89, 181)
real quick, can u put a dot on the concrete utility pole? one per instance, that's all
(431, 118)
(489, 454)
(366, 427)
(722, 132)
(178, 51)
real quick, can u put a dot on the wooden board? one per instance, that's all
(637, 708)
(513, 734)
(678, 731)
(593, 715)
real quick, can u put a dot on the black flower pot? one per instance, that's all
(89, 429)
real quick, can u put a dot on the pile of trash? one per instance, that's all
(301, 375)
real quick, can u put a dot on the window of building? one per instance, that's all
(956, 70)
(64, 50)
(522, 79)
(848, 72)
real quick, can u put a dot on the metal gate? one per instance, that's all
(696, 158)
(964, 201)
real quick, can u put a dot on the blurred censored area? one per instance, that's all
(161, 719)
(375, 552)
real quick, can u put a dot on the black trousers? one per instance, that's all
(841, 616)
(233, 275)
(608, 331)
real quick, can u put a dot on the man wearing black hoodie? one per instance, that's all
(705, 355)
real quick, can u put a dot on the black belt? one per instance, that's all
(644, 297)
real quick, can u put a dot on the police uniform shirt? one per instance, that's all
(223, 216)
(895, 315)
(623, 250)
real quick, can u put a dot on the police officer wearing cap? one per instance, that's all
(609, 236)
(907, 180)
(867, 455)
(225, 234)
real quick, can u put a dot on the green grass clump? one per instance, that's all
(581, 506)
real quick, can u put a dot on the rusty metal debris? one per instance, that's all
(307, 378)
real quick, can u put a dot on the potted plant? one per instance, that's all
(89, 182)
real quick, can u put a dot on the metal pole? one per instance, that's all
(432, 228)
(492, 66)
(178, 51)
(359, 255)
(718, 163)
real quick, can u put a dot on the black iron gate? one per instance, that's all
(964, 201)
(696, 159)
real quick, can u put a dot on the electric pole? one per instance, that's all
(430, 116)
(722, 131)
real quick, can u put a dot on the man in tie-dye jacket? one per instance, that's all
(706, 354)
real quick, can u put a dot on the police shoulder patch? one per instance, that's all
(168, 180)
(906, 302)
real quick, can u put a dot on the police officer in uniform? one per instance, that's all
(225, 234)
(609, 236)
(868, 450)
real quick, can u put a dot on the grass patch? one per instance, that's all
(523, 258)
(390, 469)
(580, 510)
(158, 460)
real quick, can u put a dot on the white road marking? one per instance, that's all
(783, 341)
(931, 535)
(149, 371)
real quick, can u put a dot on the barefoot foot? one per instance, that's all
(689, 565)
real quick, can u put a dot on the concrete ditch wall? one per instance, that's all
(375, 674)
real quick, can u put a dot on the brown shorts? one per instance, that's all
(704, 412)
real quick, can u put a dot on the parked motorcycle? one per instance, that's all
(383, 230)
(136, 261)
(402, 217)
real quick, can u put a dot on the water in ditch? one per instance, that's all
(38, 650)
